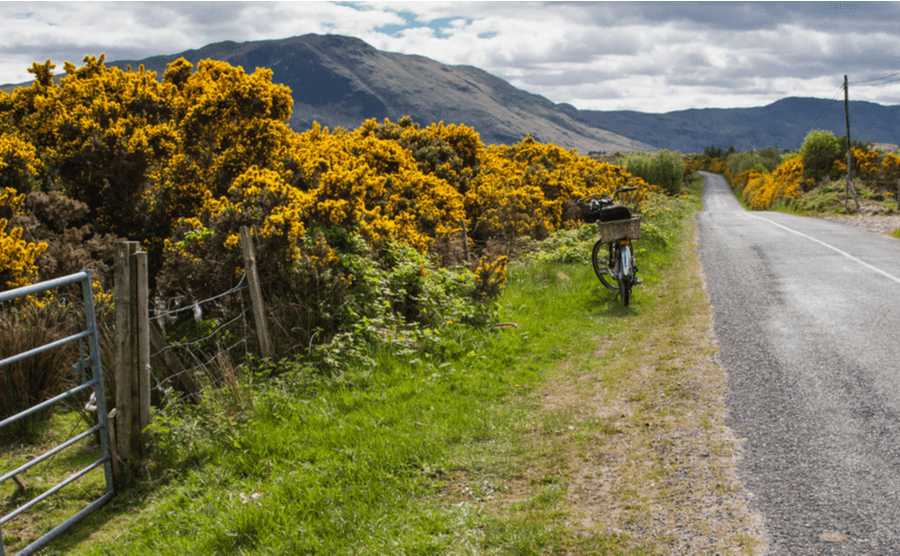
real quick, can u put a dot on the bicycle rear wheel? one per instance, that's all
(625, 278)
(600, 260)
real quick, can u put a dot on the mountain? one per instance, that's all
(784, 123)
(342, 81)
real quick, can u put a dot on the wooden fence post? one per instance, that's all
(259, 312)
(132, 358)
(143, 342)
(125, 350)
(465, 240)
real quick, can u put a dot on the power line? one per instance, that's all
(878, 84)
(824, 112)
(873, 82)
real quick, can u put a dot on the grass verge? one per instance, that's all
(586, 428)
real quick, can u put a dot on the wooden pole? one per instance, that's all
(849, 185)
(259, 313)
(113, 452)
(126, 351)
(465, 240)
(143, 342)
(847, 119)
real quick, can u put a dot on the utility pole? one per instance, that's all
(849, 185)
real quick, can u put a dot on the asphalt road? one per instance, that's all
(807, 313)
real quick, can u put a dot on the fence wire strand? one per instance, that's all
(190, 354)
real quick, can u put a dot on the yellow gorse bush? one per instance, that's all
(19, 163)
(890, 168)
(763, 189)
(874, 166)
(182, 162)
(18, 256)
(529, 189)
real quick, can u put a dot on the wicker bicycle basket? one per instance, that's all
(619, 229)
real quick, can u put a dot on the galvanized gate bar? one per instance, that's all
(56, 531)
(47, 494)
(47, 455)
(46, 347)
(95, 381)
(44, 286)
(48, 403)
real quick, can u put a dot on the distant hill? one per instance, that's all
(784, 123)
(342, 81)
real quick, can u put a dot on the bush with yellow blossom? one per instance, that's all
(761, 190)
(346, 222)
(18, 256)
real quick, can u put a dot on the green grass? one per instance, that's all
(47, 474)
(440, 452)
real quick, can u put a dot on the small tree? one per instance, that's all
(820, 150)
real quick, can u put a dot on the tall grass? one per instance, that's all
(37, 378)
(34, 379)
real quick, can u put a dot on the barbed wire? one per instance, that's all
(190, 354)
(203, 339)
(159, 313)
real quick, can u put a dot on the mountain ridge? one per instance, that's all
(341, 81)
(782, 124)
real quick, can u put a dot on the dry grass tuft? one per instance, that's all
(34, 379)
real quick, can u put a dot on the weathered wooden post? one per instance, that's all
(142, 299)
(259, 313)
(126, 351)
(465, 240)
(132, 357)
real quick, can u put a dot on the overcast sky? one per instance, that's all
(646, 56)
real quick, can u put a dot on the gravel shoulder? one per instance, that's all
(880, 224)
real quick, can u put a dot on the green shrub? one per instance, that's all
(665, 169)
(820, 150)
(765, 160)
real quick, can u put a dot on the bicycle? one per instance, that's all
(616, 268)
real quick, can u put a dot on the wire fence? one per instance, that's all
(220, 329)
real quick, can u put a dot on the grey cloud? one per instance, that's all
(831, 16)
(680, 44)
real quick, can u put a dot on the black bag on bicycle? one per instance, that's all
(590, 214)
(613, 212)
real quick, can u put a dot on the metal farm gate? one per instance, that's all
(88, 368)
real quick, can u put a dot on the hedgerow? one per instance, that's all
(764, 178)
(352, 226)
